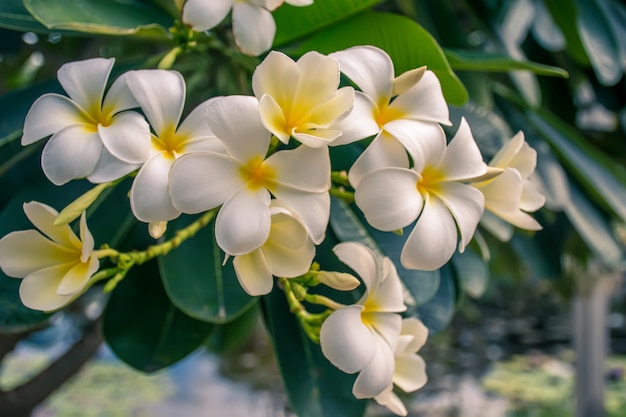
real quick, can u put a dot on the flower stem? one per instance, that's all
(341, 193)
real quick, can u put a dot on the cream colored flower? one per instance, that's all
(55, 264)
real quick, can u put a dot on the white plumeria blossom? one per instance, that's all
(512, 195)
(161, 95)
(253, 24)
(55, 264)
(241, 180)
(400, 111)
(362, 337)
(433, 192)
(288, 253)
(301, 99)
(410, 369)
(93, 135)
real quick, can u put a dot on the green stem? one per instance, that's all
(341, 193)
(323, 301)
(340, 178)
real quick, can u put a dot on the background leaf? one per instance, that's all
(13, 15)
(466, 60)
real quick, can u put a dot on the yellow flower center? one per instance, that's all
(97, 116)
(383, 115)
(169, 141)
(430, 181)
(256, 174)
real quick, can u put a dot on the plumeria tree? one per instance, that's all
(353, 169)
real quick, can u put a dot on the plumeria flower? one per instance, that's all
(433, 192)
(93, 135)
(300, 99)
(409, 369)
(253, 24)
(242, 180)
(512, 195)
(288, 252)
(56, 266)
(400, 111)
(362, 337)
(161, 95)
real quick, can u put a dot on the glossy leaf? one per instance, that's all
(472, 272)
(14, 316)
(231, 336)
(564, 13)
(14, 16)
(421, 285)
(315, 388)
(438, 312)
(196, 281)
(408, 44)
(466, 60)
(294, 22)
(142, 326)
(101, 17)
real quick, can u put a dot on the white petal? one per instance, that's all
(377, 375)
(532, 199)
(86, 238)
(433, 239)
(273, 118)
(418, 332)
(346, 342)
(504, 192)
(277, 76)
(390, 400)
(195, 124)
(49, 114)
(521, 220)
(389, 198)
(466, 204)
(243, 222)
(416, 136)
(119, 97)
(430, 149)
(85, 81)
(335, 108)
(253, 28)
(370, 68)
(304, 168)
(319, 79)
(288, 250)
(202, 15)
(410, 373)
(127, 137)
(362, 261)
(386, 324)
(43, 216)
(149, 197)
(462, 159)
(161, 95)
(253, 273)
(359, 124)
(384, 152)
(424, 101)
(70, 154)
(525, 161)
(313, 209)
(109, 168)
(75, 280)
(389, 296)
(39, 289)
(189, 188)
(27, 251)
(235, 120)
(316, 138)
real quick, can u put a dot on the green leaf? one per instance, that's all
(142, 326)
(231, 336)
(294, 22)
(439, 310)
(422, 285)
(14, 16)
(601, 177)
(408, 44)
(472, 272)
(564, 13)
(104, 17)
(14, 316)
(314, 386)
(466, 60)
(196, 281)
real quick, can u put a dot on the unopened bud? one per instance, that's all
(338, 280)
(157, 229)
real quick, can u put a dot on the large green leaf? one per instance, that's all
(144, 328)
(196, 281)
(472, 272)
(105, 17)
(422, 285)
(467, 60)
(14, 316)
(294, 22)
(14, 16)
(314, 386)
(439, 310)
(564, 14)
(408, 44)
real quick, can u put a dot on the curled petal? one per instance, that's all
(503, 193)
(253, 28)
(202, 15)
(418, 332)
(75, 280)
(346, 342)
(119, 97)
(70, 154)
(85, 81)
(274, 119)
(423, 140)
(43, 216)
(384, 152)
(389, 294)
(315, 138)
(362, 261)
(359, 123)
(410, 373)
(195, 124)
(243, 222)
(433, 239)
(149, 197)
(109, 168)
(424, 101)
(463, 159)
(377, 375)
(39, 289)
(532, 199)
(389, 198)
(303, 169)
(49, 114)
(127, 138)
(390, 400)
(313, 209)
(86, 238)
(386, 324)
(253, 273)
(466, 204)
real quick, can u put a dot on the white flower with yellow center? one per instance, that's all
(54, 263)
(362, 337)
(512, 195)
(253, 24)
(161, 95)
(433, 192)
(93, 135)
(409, 368)
(241, 180)
(288, 253)
(300, 99)
(401, 111)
